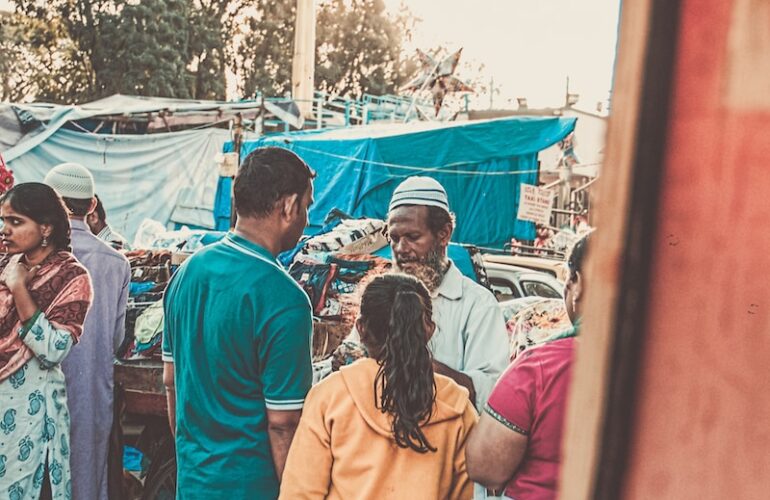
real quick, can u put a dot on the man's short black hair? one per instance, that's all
(99, 210)
(265, 176)
(78, 207)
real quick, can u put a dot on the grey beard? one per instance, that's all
(430, 270)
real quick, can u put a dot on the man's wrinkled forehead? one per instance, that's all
(408, 215)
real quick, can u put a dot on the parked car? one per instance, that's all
(511, 282)
(554, 267)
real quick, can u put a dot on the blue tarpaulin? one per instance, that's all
(481, 165)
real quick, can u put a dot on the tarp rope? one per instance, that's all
(442, 170)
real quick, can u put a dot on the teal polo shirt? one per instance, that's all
(238, 330)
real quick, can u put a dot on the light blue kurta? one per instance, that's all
(35, 423)
(89, 367)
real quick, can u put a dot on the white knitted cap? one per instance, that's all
(423, 191)
(71, 180)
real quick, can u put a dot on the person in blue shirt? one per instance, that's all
(237, 337)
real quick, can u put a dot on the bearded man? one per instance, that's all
(470, 344)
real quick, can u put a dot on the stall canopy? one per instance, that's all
(481, 165)
(167, 177)
(148, 172)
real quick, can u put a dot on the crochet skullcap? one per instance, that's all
(423, 191)
(71, 180)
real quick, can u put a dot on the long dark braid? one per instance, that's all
(394, 310)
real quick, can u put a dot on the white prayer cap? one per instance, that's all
(423, 191)
(71, 180)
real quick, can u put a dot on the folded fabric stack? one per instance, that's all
(150, 273)
(361, 236)
(147, 334)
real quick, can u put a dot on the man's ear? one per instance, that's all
(92, 207)
(445, 235)
(290, 206)
(577, 287)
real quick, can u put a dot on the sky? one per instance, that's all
(529, 47)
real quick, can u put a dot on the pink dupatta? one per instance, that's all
(61, 288)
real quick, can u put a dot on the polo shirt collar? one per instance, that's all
(249, 246)
(452, 285)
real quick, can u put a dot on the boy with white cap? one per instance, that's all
(88, 369)
(470, 344)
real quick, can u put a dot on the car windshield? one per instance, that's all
(539, 289)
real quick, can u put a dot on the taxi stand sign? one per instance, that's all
(535, 204)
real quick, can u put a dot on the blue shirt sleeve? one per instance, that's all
(285, 357)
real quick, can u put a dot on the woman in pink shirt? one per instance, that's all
(517, 442)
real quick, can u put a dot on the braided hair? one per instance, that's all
(395, 314)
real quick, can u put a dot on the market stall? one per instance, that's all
(332, 267)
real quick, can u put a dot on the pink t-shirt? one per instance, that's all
(530, 398)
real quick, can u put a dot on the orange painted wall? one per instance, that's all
(702, 427)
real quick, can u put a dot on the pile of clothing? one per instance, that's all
(145, 340)
(151, 271)
(334, 284)
(333, 267)
(153, 234)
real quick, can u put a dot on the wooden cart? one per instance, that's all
(141, 398)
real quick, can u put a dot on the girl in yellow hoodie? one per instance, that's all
(385, 427)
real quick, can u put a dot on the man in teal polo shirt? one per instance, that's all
(236, 341)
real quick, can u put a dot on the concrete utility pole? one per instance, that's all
(303, 63)
(491, 92)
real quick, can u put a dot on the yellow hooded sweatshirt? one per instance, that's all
(344, 447)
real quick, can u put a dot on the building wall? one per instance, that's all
(590, 137)
(701, 427)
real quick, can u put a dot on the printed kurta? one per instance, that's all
(34, 421)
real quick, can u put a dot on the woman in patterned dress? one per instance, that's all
(44, 296)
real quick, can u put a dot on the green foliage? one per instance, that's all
(38, 59)
(143, 50)
(78, 50)
(210, 22)
(12, 55)
(263, 50)
(358, 48)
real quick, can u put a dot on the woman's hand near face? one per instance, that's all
(17, 275)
